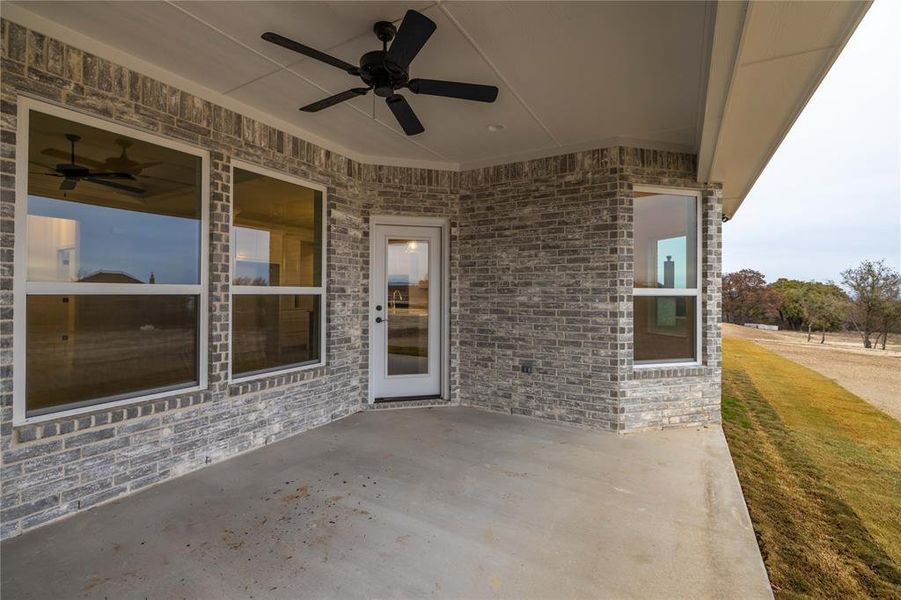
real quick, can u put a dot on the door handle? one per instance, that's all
(380, 320)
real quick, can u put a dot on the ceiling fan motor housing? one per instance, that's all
(381, 73)
(72, 171)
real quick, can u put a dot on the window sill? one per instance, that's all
(267, 374)
(105, 406)
(669, 371)
(669, 365)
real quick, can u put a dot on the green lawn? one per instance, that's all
(821, 472)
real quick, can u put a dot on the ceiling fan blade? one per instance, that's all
(117, 186)
(68, 184)
(111, 175)
(453, 89)
(66, 156)
(333, 100)
(165, 179)
(404, 114)
(280, 40)
(50, 171)
(415, 30)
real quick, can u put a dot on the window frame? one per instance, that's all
(22, 288)
(695, 292)
(273, 290)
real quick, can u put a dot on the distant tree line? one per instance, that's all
(870, 302)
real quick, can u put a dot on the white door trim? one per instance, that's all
(444, 226)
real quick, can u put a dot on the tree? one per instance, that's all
(747, 298)
(891, 316)
(810, 305)
(822, 306)
(790, 308)
(874, 295)
(835, 311)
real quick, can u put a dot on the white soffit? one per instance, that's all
(767, 60)
(572, 75)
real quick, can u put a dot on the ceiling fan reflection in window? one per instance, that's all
(73, 173)
(387, 70)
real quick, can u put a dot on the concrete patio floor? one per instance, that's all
(445, 502)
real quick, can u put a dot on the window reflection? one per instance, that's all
(70, 241)
(277, 240)
(408, 307)
(665, 229)
(108, 208)
(664, 328)
(87, 349)
(277, 233)
(274, 331)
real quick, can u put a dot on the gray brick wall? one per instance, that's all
(546, 280)
(538, 286)
(540, 272)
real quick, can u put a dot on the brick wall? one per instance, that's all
(540, 272)
(538, 287)
(546, 280)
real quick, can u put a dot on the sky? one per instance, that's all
(831, 195)
(132, 242)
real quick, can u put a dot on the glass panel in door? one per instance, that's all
(408, 307)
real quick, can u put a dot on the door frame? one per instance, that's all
(443, 224)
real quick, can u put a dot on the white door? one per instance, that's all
(405, 311)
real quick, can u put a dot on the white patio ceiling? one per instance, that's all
(571, 75)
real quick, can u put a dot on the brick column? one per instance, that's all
(219, 269)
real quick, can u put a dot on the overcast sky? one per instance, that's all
(831, 195)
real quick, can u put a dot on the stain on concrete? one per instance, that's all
(297, 495)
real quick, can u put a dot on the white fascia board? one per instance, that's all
(729, 23)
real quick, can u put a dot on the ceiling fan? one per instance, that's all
(387, 70)
(121, 164)
(73, 173)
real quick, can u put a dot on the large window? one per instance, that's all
(666, 305)
(109, 289)
(278, 302)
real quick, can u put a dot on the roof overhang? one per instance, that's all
(767, 59)
(725, 80)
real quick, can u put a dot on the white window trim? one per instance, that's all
(21, 287)
(695, 292)
(234, 290)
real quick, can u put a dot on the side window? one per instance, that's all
(666, 290)
(278, 295)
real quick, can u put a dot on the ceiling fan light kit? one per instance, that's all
(387, 70)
